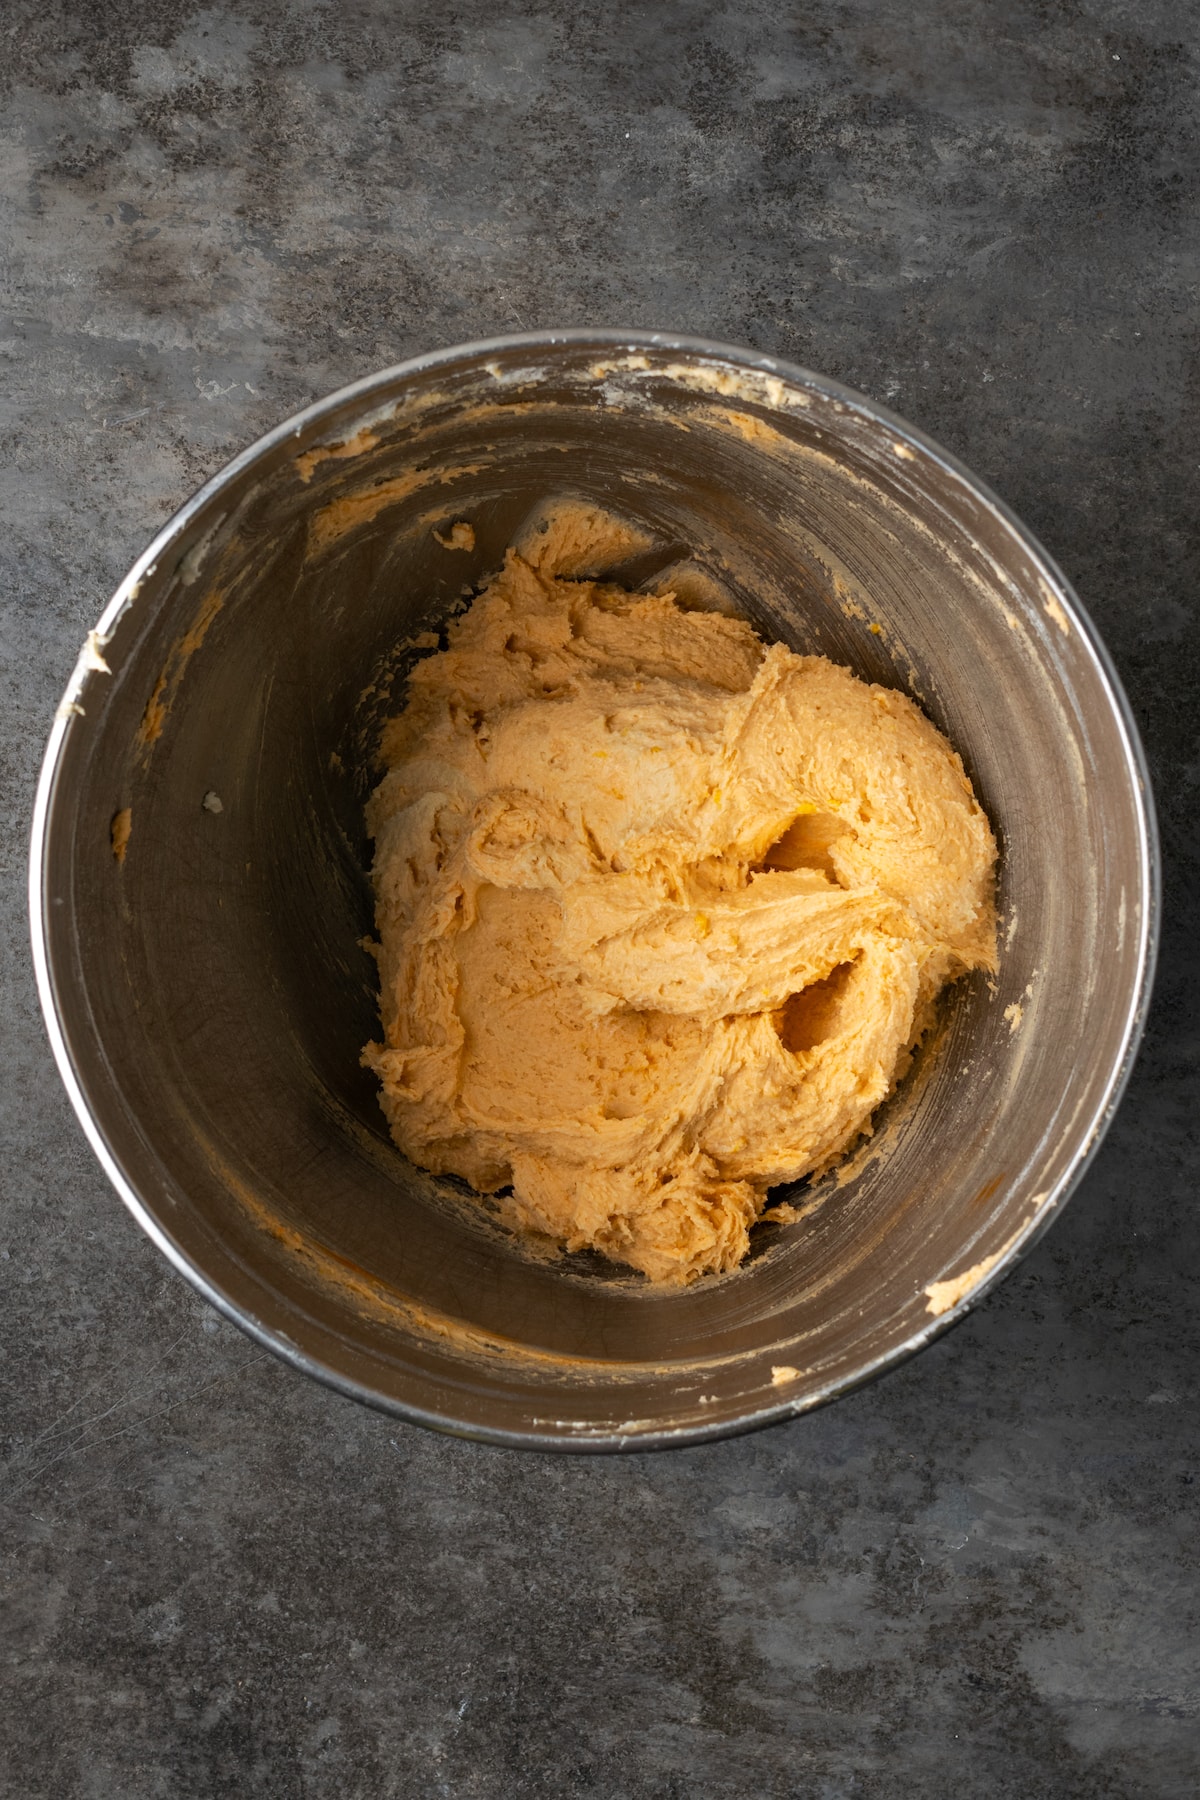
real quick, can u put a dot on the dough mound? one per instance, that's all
(662, 911)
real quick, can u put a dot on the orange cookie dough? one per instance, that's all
(662, 911)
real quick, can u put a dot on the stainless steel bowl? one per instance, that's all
(198, 891)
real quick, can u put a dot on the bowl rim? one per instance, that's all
(1090, 1135)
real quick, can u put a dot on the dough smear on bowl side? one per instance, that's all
(662, 910)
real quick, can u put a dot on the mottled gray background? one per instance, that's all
(979, 1577)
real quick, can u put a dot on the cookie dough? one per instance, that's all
(662, 910)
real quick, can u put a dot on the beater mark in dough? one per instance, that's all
(662, 911)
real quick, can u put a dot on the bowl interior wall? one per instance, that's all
(216, 997)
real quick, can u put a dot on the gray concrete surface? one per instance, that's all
(977, 1578)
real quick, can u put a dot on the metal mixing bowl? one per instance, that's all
(198, 890)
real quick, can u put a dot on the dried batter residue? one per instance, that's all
(754, 385)
(1054, 607)
(174, 669)
(329, 523)
(618, 365)
(119, 830)
(942, 1295)
(308, 460)
(90, 661)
